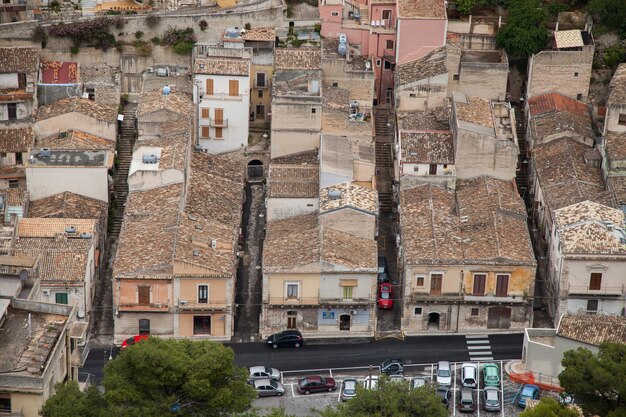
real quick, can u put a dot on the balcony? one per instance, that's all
(346, 302)
(221, 96)
(584, 290)
(260, 85)
(301, 301)
(435, 297)
(152, 307)
(218, 122)
(210, 305)
(491, 299)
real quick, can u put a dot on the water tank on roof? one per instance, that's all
(343, 38)
(233, 33)
(162, 72)
(70, 229)
(342, 49)
(334, 194)
(86, 235)
(149, 159)
(166, 90)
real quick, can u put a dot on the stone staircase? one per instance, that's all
(384, 159)
(521, 175)
(125, 143)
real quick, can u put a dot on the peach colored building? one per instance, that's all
(387, 32)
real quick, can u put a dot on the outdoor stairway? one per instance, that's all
(521, 175)
(384, 159)
(126, 141)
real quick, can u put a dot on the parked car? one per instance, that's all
(444, 376)
(286, 338)
(385, 296)
(132, 340)
(491, 399)
(529, 392)
(268, 387)
(418, 382)
(491, 375)
(383, 277)
(444, 393)
(467, 405)
(397, 378)
(348, 389)
(370, 382)
(316, 383)
(469, 375)
(383, 266)
(392, 366)
(263, 372)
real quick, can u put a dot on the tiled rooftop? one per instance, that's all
(60, 259)
(264, 34)
(305, 157)
(16, 140)
(615, 145)
(218, 65)
(560, 165)
(426, 9)
(68, 205)
(350, 195)
(18, 59)
(173, 142)
(12, 172)
(546, 103)
(298, 83)
(475, 110)
(437, 118)
(51, 227)
(617, 186)
(591, 228)
(593, 329)
(15, 197)
(335, 98)
(154, 102)
(75, 140)
(293, 180)
(296, 243)
(568, 39)
(103, 112)
(430, 65)
(491, 118)
(560, 121)
(485, 223)
(434, 147)
(617, 87)
(297, 59)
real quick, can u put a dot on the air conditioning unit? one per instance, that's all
(183, 302)
(46, 292)
(353, 312)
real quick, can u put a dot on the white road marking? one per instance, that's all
(477, 342)
(483, 358)
(476, 336)
(478, 347)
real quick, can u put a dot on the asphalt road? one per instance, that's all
(412, 350)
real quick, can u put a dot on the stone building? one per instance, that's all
(422, 84)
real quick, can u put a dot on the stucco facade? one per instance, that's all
(75, 120)
(44, 181)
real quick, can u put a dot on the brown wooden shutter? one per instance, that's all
(502, 285)
(219, 116)
(435, 283)
(144, 295)
(595, 283)
(233, 88)
(209, 87)
(218, 133)
(479, 284)
(205, 113)
(205, 131)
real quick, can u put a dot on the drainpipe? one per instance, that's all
(458, 306)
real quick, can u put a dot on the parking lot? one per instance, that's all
(298, 404)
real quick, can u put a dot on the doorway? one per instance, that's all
(292, 318)
(499, 318)
(433, 321)
(344, 322)
(255, 169)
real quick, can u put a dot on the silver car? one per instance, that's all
(491, 399)
(348, 389)
(444, 375)
(262, 372)
(418, 382)
(267, 388)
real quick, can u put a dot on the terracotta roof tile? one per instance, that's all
(560, 165)
(297, 59)
(12, 172)
(433, 64)
(69, 205)
(348, 251)
(75, 140)
(15, 197)
(546, 103)
(617, 186)
(93, 109)
(559, 122)
(593, 329)
(153, 103)
(305, 157)
(60, 260)
(51, 227)
(437, 118)
(617, 87)
(583, 228)
(474, 110)
(434, 147)
(293, 181)
(264, 34)
(18, 59)
(348, 195)
(568, 39)
(174, 143)
(427, 9)
(615, 144)
(16, 140)
(221, 66)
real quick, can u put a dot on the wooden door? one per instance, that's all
(499, 318)
(144, 295)
(435, 283)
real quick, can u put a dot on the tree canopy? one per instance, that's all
(597, 382)
(549, 407)
(160, 377)
(610, 13)
(391, 399)
(525, 30)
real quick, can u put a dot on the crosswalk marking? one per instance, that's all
(476, 336)
(478, 347)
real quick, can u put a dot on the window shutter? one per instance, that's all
(233, 88)
(209, 87)
(205, 131)
(205, 113)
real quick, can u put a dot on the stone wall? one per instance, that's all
(568, 72)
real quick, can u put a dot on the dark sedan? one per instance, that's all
(316, 383)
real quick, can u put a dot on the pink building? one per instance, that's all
(387, 32)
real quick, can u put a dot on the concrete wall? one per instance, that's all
(127, 324)
(218, 326)
(366, 288)
(411, 181)
(145, 180)
(46, 181)
(478, 154)
(73, 120)
(568, 72)
(613, 112)
(282, 208)
(296, 125)
(423, 94)
(479, 79)
(351, 221)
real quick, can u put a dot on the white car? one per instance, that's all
(444, 375)
(262, 372)
(469, 375)
(370, 382)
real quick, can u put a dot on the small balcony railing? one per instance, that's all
(300, 301)
(434, 296)
(156, 307)
(346, 301)
(603, 290)
(197, 305)
(218, 122)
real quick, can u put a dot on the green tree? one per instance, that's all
(199, 378)
(597, 381)
(610, 13)
(391, 399)
(70, 401)
(549, 407)
(465, 7)
(525, 30)
(614, 55)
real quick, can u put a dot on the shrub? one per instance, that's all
(183, 48)
(181, 39)
(74, 50)
(143, 48)
(93, 32)
(40, 35)
(156, 40)
(55, 6)
(153, 21)
(247, 26)
(318, 27)
(614, 55)
(203, 25)
(138, 34)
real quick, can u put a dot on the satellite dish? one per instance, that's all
(80, 314)
(23, 275)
